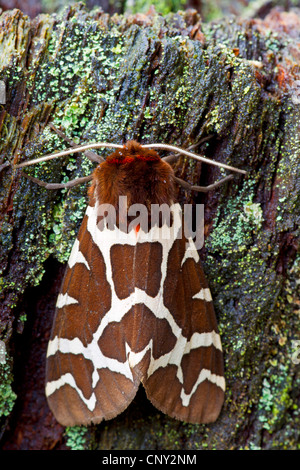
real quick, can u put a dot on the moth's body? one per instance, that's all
(134, 307)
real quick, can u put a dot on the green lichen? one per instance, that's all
(7, 395)
(275, 397)
(76, 437)
(238, 219)
(252, 213)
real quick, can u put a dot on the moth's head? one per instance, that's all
(133, 154)
(136, 172)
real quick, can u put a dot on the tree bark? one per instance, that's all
(157, 79)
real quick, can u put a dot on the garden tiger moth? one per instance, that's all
(134, 308)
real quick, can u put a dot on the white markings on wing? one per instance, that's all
(105, 239)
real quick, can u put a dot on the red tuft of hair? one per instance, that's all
(137, 173)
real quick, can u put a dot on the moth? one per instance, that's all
(134, 305)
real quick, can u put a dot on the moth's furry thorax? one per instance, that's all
(135, 172)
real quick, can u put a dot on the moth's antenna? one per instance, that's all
(195, 156)
(82, 148)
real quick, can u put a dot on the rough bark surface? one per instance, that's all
(157, 79)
